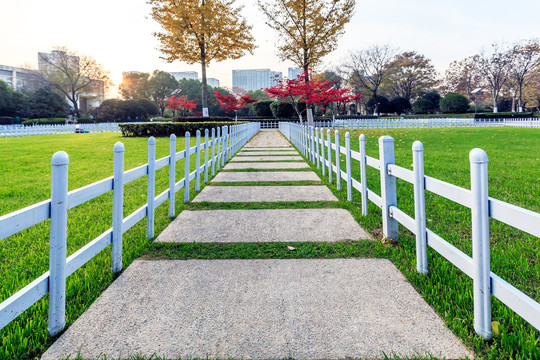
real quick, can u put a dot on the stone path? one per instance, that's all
(260, 309)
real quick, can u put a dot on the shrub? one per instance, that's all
(434, 97)
(454, 103)
(53, 121)
(282, 110)
(400, 105)
(384, 104)
(423, 106)
(262, 108)
(6, 120)
(193, 119)
(167, 129)
(504, 115)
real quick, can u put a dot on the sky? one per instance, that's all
(118, 33)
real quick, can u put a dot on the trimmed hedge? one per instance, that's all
(193, 119)
(504, 115)
(167, 129)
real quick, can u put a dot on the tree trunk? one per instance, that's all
(520, 99)
(495, 108)
(204, 85)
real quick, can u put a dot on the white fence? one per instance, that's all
(13, 131)
(312, 143)
(223, 146)
(427, 123)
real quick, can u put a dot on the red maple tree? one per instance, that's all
(306, 88)
(231, 103)
(180, 103)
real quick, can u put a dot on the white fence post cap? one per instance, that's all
(119, 147)
(60, 158)
(386, 138)
(478, 156)
(362, 137)
(417, 146)
(173, 137)
(347, 135)
(151, 141)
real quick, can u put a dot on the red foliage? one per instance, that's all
(180, 103)
(313, 91)
(232, 103)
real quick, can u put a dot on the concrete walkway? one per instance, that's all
(260, 309)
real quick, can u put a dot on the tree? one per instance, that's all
(454, 103)
(368, 69)
(531, 92)
(495, 68)
(232, 103)
(160, 87)
(72, 75)
(180, 103)
(464, 76)
(434, 97)
(6, 95)
(201, 31)
(400, 105)
(135, 86)
(410, 75)
(262, 107)
(423, 106)
(45, 103)
(525, 59)
(282, 110)
(307, 30)
(379, 102)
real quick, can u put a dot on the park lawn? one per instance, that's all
(514, 171)
(25, 174)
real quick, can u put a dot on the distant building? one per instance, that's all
(95, 94)
(294, 72)
(213, 82)
(185, 75)
(19, 78)
(255, 79)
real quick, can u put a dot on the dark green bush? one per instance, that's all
(6, 120)
(193, 119)
(423, 106)
(384, 104)
(262, 108)
(400, 105)
(504, 115)
(454, 103)
(53, 121)
(282, 110)
(167, 129)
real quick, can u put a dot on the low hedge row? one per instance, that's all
(193, 119)
(167, 129)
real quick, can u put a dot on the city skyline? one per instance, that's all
(447, 32)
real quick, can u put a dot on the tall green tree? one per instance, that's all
(201, 31)
(135, 85)
(411, 74)
(160, 87)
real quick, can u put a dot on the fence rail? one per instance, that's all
(218, 149)
(33, 130)
(312, 144)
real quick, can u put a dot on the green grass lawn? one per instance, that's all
(25, 174)
(514, 171)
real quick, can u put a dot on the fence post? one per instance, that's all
(338, 162)
(118, 207)
(58, 243)
(317, 154)
(225, 145)
(198, 163)
(323, 158)
(218, 149)
(348, 165)
(206, 156)
(172, 176)
(480, 238)
(186, 168)
(151, 187)
(388, 187)
(420, 207)
(311, 144)
(330, 167)
(213, 151)
(363, 177)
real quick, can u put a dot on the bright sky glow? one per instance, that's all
(118, 33)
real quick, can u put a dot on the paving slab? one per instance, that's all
(251, 149)
(267, 152)
(265, 193)
(259, 309)
(266, 176)
(269, 138)
(267, 158)
(268, 165)
(323, 225)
